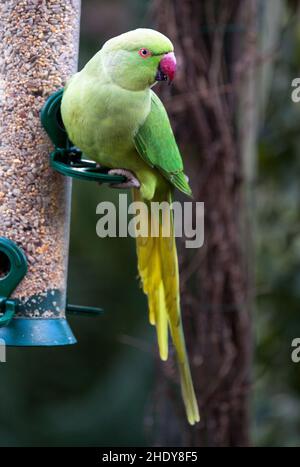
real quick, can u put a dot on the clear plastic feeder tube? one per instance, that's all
(38, 52)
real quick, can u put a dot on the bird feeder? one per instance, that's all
(38, 52)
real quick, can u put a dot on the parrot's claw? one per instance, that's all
(131, 182)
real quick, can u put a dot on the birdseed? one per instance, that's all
(38, 52)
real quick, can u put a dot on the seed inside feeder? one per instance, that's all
(38, 53)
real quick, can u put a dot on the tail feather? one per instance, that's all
(158, 269)
(153, 288)
(187, 388)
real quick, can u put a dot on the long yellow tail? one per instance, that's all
(158, 269)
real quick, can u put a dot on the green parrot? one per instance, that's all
(111, 113)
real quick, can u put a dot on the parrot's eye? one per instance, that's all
(144, 53)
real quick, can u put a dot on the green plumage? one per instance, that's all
(111, 113)
(156, 144)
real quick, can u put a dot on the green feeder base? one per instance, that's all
(17, 327)
(31, 332)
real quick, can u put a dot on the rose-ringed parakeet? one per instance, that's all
(113, 116)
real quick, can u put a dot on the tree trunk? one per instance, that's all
(215, 45)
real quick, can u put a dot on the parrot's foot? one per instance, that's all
(131, 182)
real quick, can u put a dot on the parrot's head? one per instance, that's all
(138, 59)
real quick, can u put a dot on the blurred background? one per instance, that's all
(102, 391)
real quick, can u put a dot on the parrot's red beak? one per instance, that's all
(167, 68)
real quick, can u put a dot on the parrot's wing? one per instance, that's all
(155, 142)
